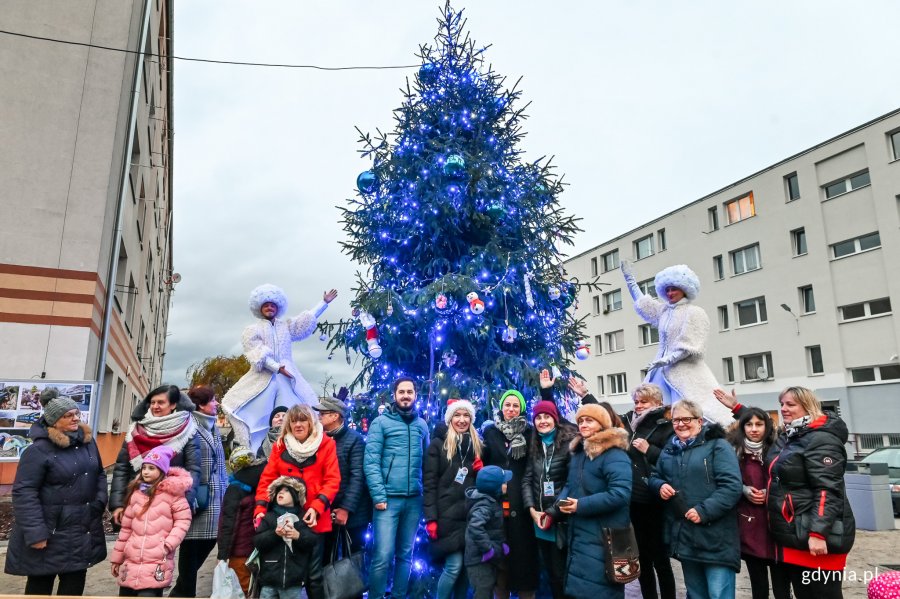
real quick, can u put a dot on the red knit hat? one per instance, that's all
(545, 407)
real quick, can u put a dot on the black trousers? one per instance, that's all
(315, 585)
(554, 560)
(128, 592)
(649, 521)
(812, 583)
(70, 583)
(483, 578)
(758, 569)
(191, 555)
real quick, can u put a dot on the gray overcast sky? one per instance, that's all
(647, 106)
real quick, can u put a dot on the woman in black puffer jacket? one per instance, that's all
(59, 496)
(451, 463)
(544, 479)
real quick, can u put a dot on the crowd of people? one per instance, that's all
(527, 496)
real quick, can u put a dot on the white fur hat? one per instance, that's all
(679, 276)
(268, 293)
(454, 405)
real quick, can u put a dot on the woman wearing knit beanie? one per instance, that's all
(545, 477)
(506, 445)
(451, 464)
(598, 489)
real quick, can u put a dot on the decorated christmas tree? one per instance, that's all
(464, 288)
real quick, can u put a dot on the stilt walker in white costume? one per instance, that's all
(679, 368)
(273, 379)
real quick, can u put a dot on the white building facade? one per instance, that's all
(800, 274)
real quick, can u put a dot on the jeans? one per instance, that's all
(453, 583)
(70, 583)
(191, 555)
(276, 593)
(395, 531)
(708, 582)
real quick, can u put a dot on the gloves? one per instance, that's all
(488, 556)
(477, 464)
(342, 394)
(505, 549)
(431, 529)
(633, 288)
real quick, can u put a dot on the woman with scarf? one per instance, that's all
(304, 451)
(678, 368)
(201, 537)
(58, 500)
(276, 421)
(451, 463)
(162, 418)
(752, 437)
(506, 445)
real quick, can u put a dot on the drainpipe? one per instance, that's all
(117, 235)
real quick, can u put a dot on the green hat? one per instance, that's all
(514, 393)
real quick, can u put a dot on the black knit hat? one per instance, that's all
(277, 410)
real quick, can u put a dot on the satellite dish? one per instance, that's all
(762, 373)
(176, 278)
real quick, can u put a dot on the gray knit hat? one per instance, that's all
(55, 405)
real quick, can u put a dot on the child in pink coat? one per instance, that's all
(156, 518)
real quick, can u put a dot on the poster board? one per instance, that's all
(20, 408)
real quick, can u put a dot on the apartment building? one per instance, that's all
(800, 272)
(86, 197)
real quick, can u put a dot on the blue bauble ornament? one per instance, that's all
(428, 73)
(365, 182)
(455, 166)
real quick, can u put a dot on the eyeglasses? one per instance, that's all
(72, 415)
(684, 421)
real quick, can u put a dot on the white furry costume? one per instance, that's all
(679, 368)
(267, 346)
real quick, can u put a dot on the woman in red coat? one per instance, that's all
(304, 451)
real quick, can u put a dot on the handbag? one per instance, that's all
(620, 550)
(252, 564)
(346, 577)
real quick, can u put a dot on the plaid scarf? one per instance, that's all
(174, 430)
(793, 427)
(512, 429)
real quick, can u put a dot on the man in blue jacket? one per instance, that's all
(395, 450)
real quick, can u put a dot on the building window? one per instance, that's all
(610, 260)
(649, 334)
(807, 299)
(661, 239)
(752, 311)
(814, 363)
(859, 244)
(740, 209)
(798, 241)
(723, 318)
(596, 304)
(594, 271)
(792, 187)
(600, 385)
(865, 309)
(615, 341)
(851, 183)
(874, 374)
(643, 247)
(757, 367)
(713, 218)
(612, 301)
(598, 347)
(745, 259)
(648, 287)
(728, 369)
(718, 268)
(895, 144)
(617, 384)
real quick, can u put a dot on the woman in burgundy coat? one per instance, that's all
(752, 437)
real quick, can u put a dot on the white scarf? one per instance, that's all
(302, 451)
(753, 448)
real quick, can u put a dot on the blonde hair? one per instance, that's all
(648, 391)
(807, 400)
(691, 407)
(451, 442)
(298, 413)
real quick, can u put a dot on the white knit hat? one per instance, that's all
(268, 293)
(454, 405)
(679, 276)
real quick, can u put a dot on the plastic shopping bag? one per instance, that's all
(225, 583)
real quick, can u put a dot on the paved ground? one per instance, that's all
(873, 550)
